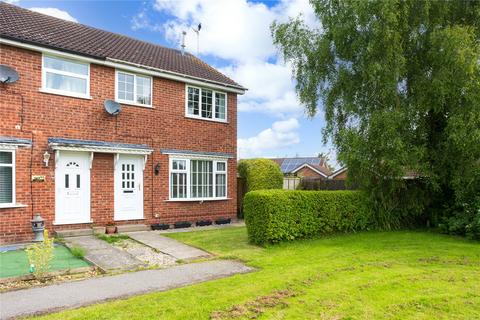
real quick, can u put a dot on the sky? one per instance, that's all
(235, 38)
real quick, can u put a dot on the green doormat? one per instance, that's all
(15, 263)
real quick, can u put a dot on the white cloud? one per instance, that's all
(282, 134)
(11, 1)
(142, 21)
(54, 12)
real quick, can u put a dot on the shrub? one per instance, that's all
(279, 215)
(77, 252)
(260, 174)
(39, 256)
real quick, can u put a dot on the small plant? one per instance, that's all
(39, 256)
(78, 252)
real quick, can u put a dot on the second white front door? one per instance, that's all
(129, 187)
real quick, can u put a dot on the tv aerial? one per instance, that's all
(8, 74)
(112, 107)
(197, 31)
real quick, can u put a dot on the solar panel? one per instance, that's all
(290, 164)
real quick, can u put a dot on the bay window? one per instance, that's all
(198, 179)
(7, 177)
(206, 104)
(65, 76)
(133, 89)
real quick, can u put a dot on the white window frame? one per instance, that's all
(214, 92)
(65, 73)
(134, 102)
(13, 166)
(188, 172)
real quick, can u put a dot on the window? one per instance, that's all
(192, 179)
(64, 76)
(7, 178)
(206, 104)
(134, 89)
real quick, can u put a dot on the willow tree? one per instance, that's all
(399, 82)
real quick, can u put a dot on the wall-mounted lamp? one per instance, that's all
(157, 169)
(46, 158)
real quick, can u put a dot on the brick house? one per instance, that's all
(168, 156)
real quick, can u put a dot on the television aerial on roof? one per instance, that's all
(197, 31)
(8, 74)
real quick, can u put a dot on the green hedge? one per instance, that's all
(280, 215)
(260, 174)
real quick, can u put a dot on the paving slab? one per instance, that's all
(104, 255)
(172, 247)
(69, 295)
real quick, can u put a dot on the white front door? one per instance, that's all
(72, 188)
(129, 187)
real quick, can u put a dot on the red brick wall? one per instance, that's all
(165, 126)
(341, 176)
(306, 172)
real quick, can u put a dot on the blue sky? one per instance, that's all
(235, 38)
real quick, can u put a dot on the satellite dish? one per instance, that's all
(113, 108)
(8, 74)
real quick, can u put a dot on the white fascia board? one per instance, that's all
(314, 169)
(336, 173)
(123, 65)
(102, 149)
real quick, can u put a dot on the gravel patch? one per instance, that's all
(145, 254)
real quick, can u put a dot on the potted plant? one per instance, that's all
(110, 228)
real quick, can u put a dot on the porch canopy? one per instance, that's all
(117, 148)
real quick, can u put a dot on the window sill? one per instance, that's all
(133, 104)
(65, 94)
(12, 205)
(206, 119)
(131, 219)
(197, 200)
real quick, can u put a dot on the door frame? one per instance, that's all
(59, 173)
(141, 160)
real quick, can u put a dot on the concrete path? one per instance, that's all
(103, 254)
(172, 247)
(80, 293)
(194, 228)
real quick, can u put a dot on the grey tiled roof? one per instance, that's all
(95, 143)
(31, 27)
(200, 153)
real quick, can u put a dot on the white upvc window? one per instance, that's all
(198, 179)
(131, 88)
(65, 77)
(7, 178)
(203, 103)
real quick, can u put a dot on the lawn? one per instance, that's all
(371, 275)
(15, 263)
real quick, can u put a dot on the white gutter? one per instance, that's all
(127, 66)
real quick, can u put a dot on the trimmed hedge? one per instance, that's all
(260, 174)
(281, 215)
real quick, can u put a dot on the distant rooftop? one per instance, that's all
(287, 165)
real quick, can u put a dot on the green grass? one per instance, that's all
(112, 238)
(15, 263)
(372, 275)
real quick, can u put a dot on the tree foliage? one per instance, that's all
(399, 82)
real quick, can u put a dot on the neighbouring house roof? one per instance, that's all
(199, 153)
(292, 165)
(15, 141)
(98, 146)
(30, 27)
(337, 172)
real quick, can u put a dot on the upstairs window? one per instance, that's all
(133, 89)
(7, 178)
(206, 104)
(65, 76)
